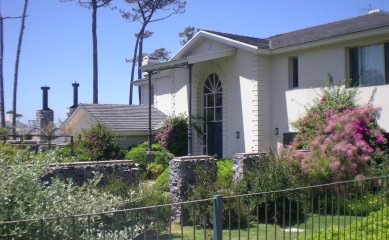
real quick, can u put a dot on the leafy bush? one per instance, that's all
(269, 173)
(344, 140)
(63, 154)
(162, 182)
(374, 226)
(139, 155)
(13, 155)
(224, 174)
(100, 143)
(173, 135)
(25, 196)
(334, 99)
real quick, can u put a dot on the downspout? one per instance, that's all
(190, 111)
(150, 134)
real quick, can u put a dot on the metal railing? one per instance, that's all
(344, 210)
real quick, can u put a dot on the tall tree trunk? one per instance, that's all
(133, 70)
(140, 56)
(95, 63)
(22, 26)
(2, 105)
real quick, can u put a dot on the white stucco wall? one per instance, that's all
(297, 99)
(314, 66)
(239, 75)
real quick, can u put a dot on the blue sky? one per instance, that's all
(57, 45)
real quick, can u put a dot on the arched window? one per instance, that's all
(213, 98)
(213, 113)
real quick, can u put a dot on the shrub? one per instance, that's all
(343, 139)
(100, 143)
(345, 146)
(139, 155)
(374, 226)
(269, 173)
(63, 154)
(334, 99)
(25, 196)
(224, 174)
(162, 182)
(13, 155)
(173, 135)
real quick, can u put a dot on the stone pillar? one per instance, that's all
(244, 161)
(182, 176)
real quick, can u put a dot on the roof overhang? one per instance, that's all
(332, 40)
(189, 60)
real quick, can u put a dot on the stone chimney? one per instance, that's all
(71, 109)
(45, 115)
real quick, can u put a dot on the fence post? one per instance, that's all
(217, 217)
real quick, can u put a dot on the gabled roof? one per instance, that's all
(124, 118)
(327, 33)
(371, 21)
(259, 42)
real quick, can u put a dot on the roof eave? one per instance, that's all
(332, 40)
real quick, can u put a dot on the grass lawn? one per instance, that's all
(261, 231)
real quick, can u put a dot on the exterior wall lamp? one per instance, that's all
(276, 131)
(237, 134)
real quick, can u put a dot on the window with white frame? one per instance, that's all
(369, 65)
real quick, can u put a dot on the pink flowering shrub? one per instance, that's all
(345, 146)
(334, 99)
(173, 135)
(343, 139)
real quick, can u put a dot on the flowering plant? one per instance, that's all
(343, 139)
(173, 135)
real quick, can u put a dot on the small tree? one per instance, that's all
(100, 143)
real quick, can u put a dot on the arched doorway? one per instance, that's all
(212, 113)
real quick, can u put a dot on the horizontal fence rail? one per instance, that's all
(344, 210)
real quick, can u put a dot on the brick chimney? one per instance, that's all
(45, 115)
(71, 109)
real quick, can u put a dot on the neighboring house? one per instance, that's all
(246, 91)
(129, 122)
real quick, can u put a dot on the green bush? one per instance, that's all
(63, 155)
(162, 182)
(373, 226)
(269, 173)
(24, 195)
(13, 155)
(139, 155)
(100, 143)
(224, 174)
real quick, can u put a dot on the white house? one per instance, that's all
(243, 92)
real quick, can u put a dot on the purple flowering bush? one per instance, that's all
(173, 135)
(347, 142)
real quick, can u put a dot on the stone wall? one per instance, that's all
(182, 176)
(80, 172)
(242, 162)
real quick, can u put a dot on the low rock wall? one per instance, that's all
(182, 177)
(80, 172)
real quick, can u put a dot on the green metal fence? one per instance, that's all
(343, 210)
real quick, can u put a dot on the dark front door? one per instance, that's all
(215, 138)
(213, 124)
